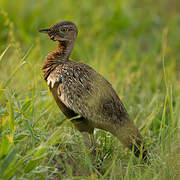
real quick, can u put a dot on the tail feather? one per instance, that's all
(139, 150)
(130, 136)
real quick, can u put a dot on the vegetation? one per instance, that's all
(133, 45)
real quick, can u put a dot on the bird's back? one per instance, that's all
(87, 93)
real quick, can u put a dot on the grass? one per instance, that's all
(133, 45)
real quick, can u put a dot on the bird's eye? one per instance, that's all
(63, 29)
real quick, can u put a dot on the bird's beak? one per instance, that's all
(45, 31)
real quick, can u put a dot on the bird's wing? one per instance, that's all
(87, 93)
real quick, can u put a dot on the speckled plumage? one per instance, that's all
(80, 90)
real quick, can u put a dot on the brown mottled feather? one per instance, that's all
(80, 90)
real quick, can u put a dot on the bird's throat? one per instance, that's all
(61, 46)
(65, 49)
(59, 56)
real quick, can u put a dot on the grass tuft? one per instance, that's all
(133, 45)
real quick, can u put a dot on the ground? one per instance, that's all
(135, 46)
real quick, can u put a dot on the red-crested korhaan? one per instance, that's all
(80, 91)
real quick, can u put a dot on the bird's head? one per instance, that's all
(63, 31)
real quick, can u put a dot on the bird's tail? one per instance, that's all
(130, 136)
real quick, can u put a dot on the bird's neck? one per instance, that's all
(64, 50)
(59, 56)
(62, 53)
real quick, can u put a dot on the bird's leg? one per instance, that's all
(86, 130)
(89, 140)
(92, 141)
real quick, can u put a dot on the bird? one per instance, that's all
(81, 92)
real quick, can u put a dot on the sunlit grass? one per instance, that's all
(135, 47)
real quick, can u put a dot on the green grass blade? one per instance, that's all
(11, 117)
(7, 161)
(21, 63)
(4, 52)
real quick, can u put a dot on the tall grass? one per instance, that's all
(133, 45)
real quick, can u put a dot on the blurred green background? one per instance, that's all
(134, 44)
